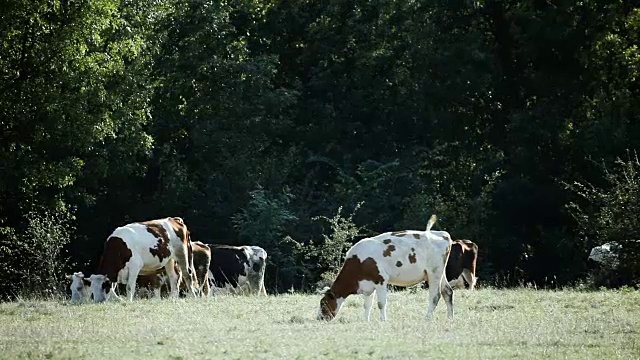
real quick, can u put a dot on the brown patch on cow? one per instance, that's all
(399, 233)
(352, 272)
(463, 255)
(161, 251)
(412, 258)
(386, 241)
(416, 236)
(179, 227)
(399, 263)
(115, 256)
(389, 250)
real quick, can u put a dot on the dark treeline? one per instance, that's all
(301, 126)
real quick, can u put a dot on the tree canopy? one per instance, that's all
(257, 121)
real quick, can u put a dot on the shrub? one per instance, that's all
(33, 259)
(262, 222)
(328, 255)
(609, 213)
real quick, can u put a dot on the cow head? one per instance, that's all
(328, 305)
(77, 286)
(100, 287)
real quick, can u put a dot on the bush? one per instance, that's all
(263, 222)
(33, 259)
(328, 255)
(609, 213)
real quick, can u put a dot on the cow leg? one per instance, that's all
(205, 291)
(368, 302)
(434, 290)
(210, 283)
(447, 293)
(182, 259)
(157, 291)
(458, 283)
(134, 269)
(470, 278)
(173, 278)
(381, 294)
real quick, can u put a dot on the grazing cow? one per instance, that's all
(402, 258)
(201, 264)
(143, 249)
(80, 290)
(237, 270)
(461, 266)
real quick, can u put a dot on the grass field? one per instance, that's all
(489, 324)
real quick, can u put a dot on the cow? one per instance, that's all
(461, 266)
(151, 285)
(237, 270)
(143, 248)
(201, 264)
(402, 258)
(80, 290)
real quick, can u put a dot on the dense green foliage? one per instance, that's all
(257, 120)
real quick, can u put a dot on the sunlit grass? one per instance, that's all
(495, 324)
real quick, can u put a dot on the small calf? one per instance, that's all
(80, 290)
(402, 258)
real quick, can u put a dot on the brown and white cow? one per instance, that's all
(461, 266)
(402, 258)
(151, 285)
(200, 264)
(142, 249)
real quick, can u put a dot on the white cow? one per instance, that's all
(142, 249)
(401, 258)
(80, 290)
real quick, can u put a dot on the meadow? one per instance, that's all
(490, 324)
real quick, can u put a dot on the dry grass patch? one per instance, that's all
(489, 324)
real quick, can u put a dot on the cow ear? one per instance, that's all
(326, 291)
(322, 291)
(106, 285)
(69, 277)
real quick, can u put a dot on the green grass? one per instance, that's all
(489, 324)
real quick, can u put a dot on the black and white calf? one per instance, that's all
(237, 270)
